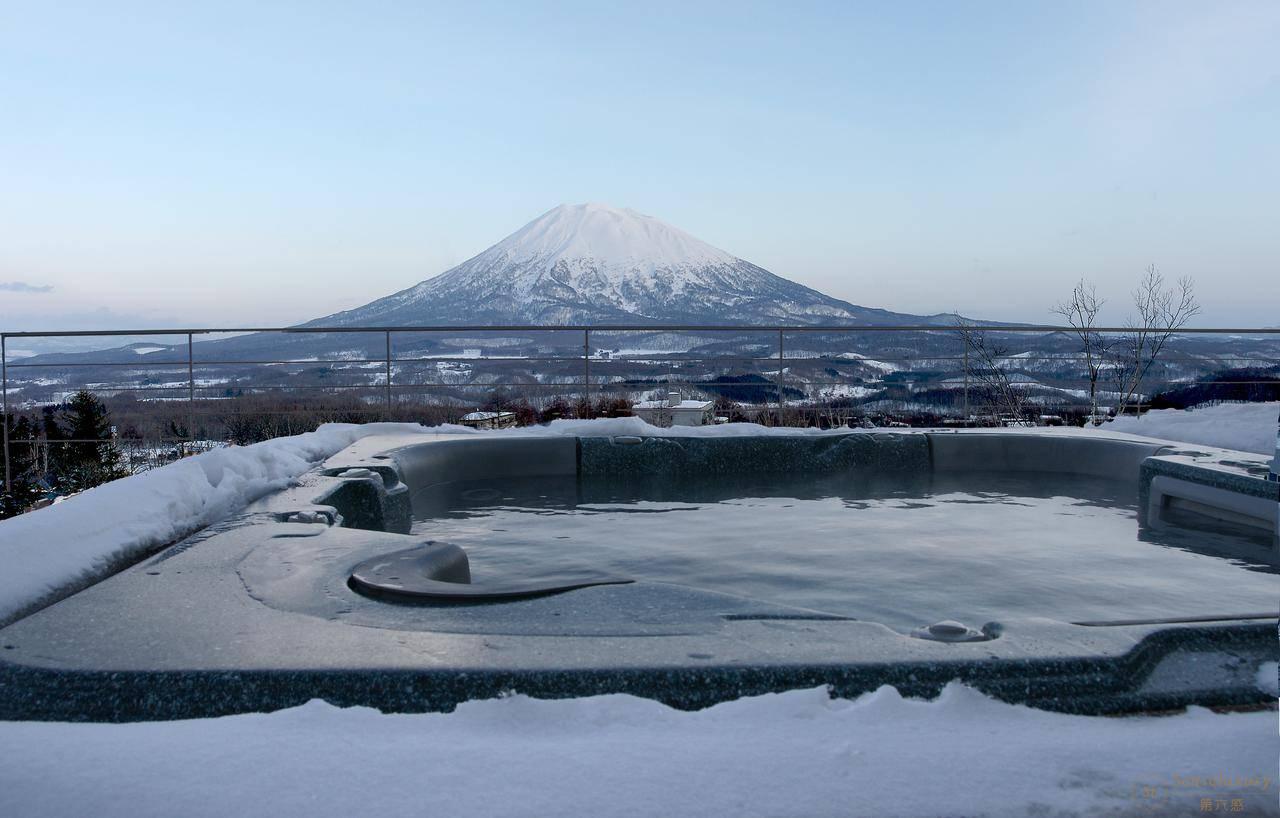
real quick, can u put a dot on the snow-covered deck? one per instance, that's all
(794, 754)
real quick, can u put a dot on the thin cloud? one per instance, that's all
(24, 287)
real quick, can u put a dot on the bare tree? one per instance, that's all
(984, 364)
(1161, 311)
(1081, 313)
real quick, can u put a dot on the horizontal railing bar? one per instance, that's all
(155, 365)
(673, 357)
(247, 385)
(198, 362)
(63, 387)
(974, 383)
(91, 440)
(132, 441)
(631, 328)
(633, 387)
(508, 359)
(681, 357)
(619, 384)
(616, 385)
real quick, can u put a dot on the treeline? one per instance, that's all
(67, 448)
(251, 418)
(558, 408)
(1233, 386)
(86, 441)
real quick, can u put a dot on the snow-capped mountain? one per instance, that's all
(601, 266)
(591, 263)
(575, 264)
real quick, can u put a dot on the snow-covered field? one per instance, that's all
(1246, 427)
(792, 754)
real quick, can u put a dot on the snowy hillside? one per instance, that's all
(592, 263)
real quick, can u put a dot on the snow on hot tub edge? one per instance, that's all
(64, 545)
(1241, 427)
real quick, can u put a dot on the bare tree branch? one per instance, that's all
(984, 362)
(1081, 312)
(1162, 311)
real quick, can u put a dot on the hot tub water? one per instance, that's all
(901, 550)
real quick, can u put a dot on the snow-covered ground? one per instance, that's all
(120, 519)
(1246, 427)
(793, 754)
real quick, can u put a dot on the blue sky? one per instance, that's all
(250, 163)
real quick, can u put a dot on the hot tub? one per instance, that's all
(1091, 574)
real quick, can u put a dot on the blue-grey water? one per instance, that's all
(903, 551)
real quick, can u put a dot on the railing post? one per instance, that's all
(1274, 474)
(966, 377)
(191, 395)
(586, 368)
(387, 385)
(4, 412)
(780, 377)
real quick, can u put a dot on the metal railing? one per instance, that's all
(597, 372)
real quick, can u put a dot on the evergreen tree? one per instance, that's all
(81, 452)
(24, 472)
(55, 449)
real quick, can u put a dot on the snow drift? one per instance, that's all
(799, 753)
(120, 520)
(1245, 427)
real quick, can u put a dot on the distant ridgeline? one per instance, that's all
(597, 265)
(1235, 385)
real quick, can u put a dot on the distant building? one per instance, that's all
(676, 412)
(489, 420)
